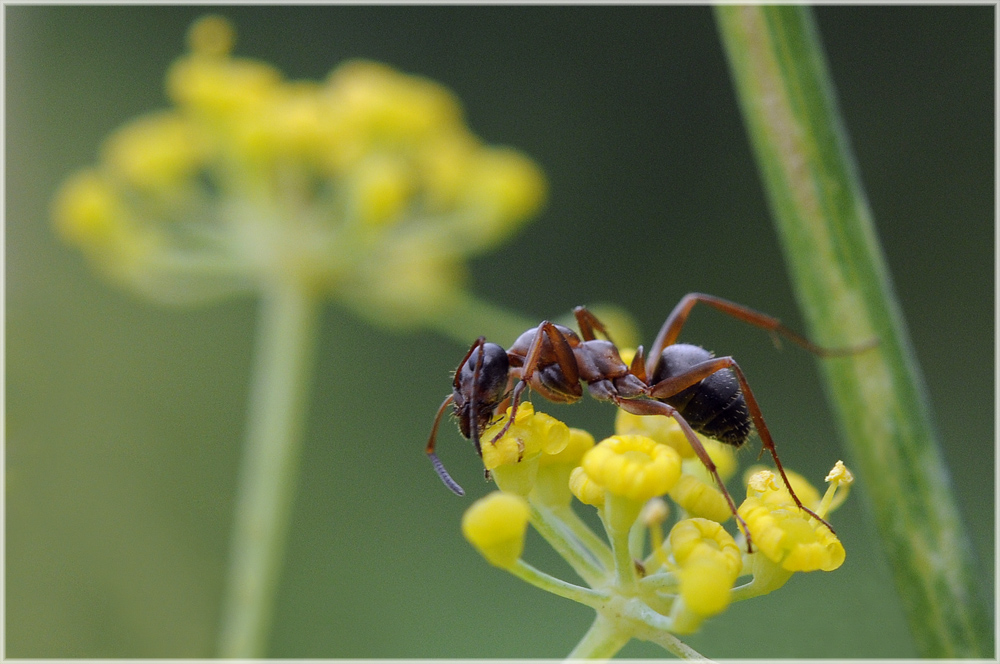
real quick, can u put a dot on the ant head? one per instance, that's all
(480, 385)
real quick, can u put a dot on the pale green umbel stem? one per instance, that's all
(269, 468)
(602, 641)
(846, 294)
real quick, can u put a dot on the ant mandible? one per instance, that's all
(700, 392)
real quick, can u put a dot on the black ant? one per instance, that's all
(701, 392)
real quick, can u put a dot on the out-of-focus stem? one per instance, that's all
(269, 470)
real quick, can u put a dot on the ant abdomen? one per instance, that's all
(715, 406)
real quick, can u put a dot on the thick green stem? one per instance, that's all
(269, 470)
(844, 288)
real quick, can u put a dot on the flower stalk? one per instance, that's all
(844, 288)
(269, 469)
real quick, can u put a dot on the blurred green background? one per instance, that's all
(124, 419)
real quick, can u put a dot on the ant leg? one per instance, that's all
(588, 322)
(475, 344)
(671, 386)
(564, 358)
(650, 407)
(675, 321)
(478, 343)
(438, 466)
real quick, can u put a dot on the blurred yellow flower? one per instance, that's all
(367, 186)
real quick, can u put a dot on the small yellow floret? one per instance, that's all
(840, 474)
(840, 480)
(443, 163)
(722, 455)
(770, 480)
(660, 428)
(496, 526)
(635, 467)
(552, 483)
(380, 188)
(87, 211)
(580, 442)
(700, 499)
(384, 107)
(155, 152)
(784, 533)
(288, 124)
(654, 511)
(709, 562)
(585, 489)
(220, 89)
(531, 434)
(509, 184)
(211, 36)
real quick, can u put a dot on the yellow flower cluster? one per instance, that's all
(686, 577)
(367, 185)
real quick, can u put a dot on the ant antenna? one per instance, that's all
(443, 474)
(435, 461)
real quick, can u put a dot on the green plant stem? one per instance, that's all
(548, 583)
(583, 561)
(267, 477)
(649, 625)
(602, 641)
(671, 643)
(618, 516)
(587, 537)
(844, 288)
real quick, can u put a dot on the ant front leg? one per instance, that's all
(671, 329)
(650, 407)
(671, 386)
(563, 357)
(435, 461)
